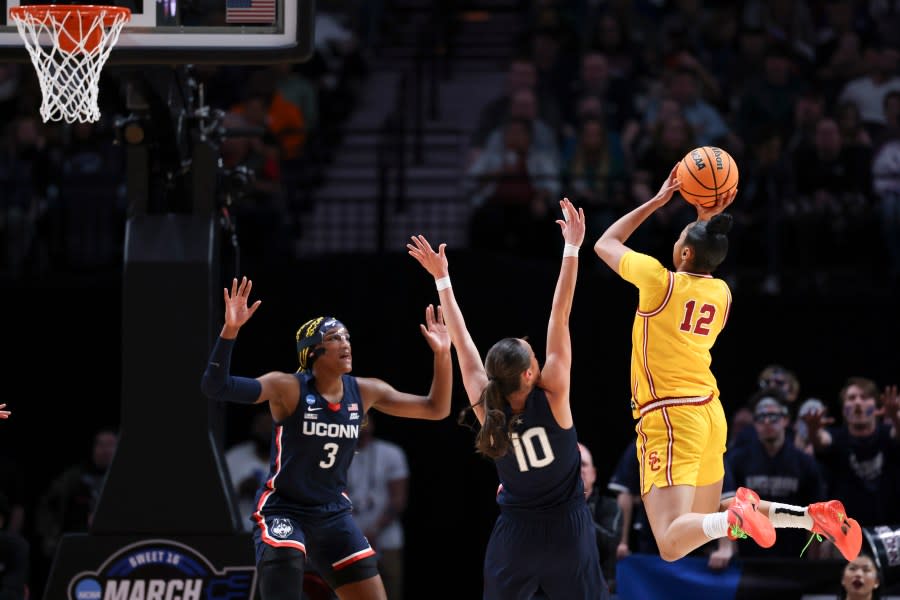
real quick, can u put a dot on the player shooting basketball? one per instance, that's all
(681, 426)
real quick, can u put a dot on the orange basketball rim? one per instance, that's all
(69, 45)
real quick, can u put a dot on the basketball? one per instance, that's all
(705, 173)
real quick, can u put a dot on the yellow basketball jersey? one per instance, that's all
(678, 319)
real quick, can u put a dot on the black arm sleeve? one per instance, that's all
(218, 383)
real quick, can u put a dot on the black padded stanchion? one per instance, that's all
(166, 520)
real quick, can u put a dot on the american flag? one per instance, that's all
(250, 11)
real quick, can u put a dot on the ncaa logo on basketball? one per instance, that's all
(282, 528)
(698, 160)
(161, 569)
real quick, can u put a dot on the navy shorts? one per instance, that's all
(331, 542)
(555, 550)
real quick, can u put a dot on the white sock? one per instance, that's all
(788, 515)
(715, 525)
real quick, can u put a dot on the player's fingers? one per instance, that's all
(425, 244)
(417, 243)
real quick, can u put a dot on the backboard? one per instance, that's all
(194, 31)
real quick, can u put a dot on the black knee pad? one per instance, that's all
(280, 574)
(361, 569)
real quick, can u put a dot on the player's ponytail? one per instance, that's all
(719, 224)
(505, 362)
(709, 240)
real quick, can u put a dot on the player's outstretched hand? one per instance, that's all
(435, 330)
(668, 188)
(237, 312)
(4, 414)
(572, 223)
(433, 262)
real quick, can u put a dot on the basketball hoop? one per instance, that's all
(69, 46)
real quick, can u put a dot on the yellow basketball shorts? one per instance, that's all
(682, 444)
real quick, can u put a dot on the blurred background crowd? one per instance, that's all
(591, 99)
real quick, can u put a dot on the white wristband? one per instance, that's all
(570, 250)
(443, 283)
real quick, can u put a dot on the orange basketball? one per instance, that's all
(705, 173)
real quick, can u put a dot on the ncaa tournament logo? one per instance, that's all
(162, 569)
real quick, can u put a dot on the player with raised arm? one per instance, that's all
(681, 426)
(544, 535)
(303, 510)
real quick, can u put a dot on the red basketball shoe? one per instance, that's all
(831, 522)
(745, 520)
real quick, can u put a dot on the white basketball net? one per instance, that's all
(70, 75)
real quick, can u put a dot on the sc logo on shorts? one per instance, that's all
(653, 460)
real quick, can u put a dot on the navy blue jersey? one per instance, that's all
(311, 452)
(789, 477)
(545, 536)
(543, 467)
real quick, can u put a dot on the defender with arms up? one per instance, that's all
(303, 511)
(544, 536)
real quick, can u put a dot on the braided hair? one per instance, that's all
(309, 336)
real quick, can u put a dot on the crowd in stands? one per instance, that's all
(602, 98)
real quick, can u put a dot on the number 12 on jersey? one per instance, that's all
(706, 314)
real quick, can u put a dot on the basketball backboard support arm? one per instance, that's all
(170, 131)
(154, 36)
